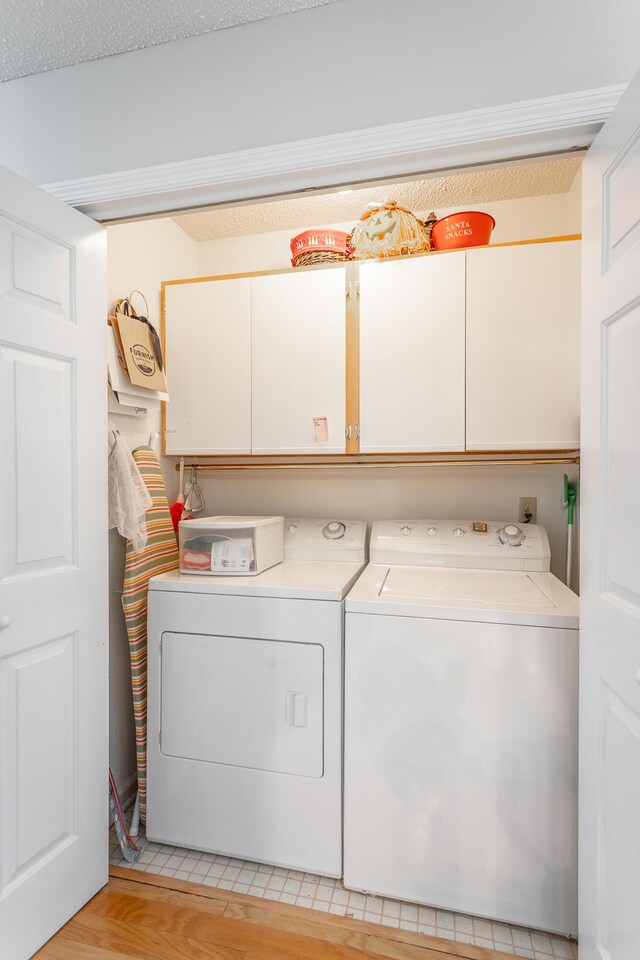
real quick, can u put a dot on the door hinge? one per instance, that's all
(357, 288)
(160, 740)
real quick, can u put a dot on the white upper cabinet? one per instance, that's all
(298, 362)
(208, 343)
(523, 349)
(468, 350)
(412, 322)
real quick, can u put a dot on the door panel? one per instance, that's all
(298, 361)
(36, 394)
(35, 270)
(621, 202)
(610, 517)
(621, 451)
(53, 565)
(38, 745)
(412, 321)
(619, 828)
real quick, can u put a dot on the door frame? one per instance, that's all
(514, 131)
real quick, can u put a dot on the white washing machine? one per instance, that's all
(461, 725)
(245, 703)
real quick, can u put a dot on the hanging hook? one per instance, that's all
(195, 496)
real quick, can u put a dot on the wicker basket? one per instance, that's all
(320, 246)
(387, 230)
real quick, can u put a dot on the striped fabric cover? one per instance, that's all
(159, 555)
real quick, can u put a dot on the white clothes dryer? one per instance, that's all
(461, 697)
(245, 704)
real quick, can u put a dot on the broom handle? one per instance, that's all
(569, 569)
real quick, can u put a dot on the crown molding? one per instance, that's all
(510, 131)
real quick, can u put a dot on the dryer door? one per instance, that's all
(243, 702)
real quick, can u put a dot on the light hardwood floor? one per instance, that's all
(147, 917)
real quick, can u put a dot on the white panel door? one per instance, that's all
(610, 562)
(298, 351)
(523, 347)
(53, 565)
(208, 341)
(412, 355)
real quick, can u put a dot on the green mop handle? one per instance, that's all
(570, 502)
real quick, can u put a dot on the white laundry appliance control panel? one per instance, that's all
(324, 539)
(480, 544)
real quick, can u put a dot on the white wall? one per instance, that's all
(140, 256)
(525, 219)
(349, 65)
(460, 492)
(574, 200)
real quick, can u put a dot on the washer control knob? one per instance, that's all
(293, 527)
(511, 535)
(334, 530)
(458, 532)
(405, 531)
(432, 531)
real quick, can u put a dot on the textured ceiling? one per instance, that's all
(532, 178)
(39, 35)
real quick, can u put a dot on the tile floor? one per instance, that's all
(330, 896)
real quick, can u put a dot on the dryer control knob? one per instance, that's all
(334, 530)
(511, 535)
(293, 527)
(432, 531)
(458, 532)
(405, 531)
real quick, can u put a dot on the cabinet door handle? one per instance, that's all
(349, 290)
(347, 431)
(5, 621)
(357, 431)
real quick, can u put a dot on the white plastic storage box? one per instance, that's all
(231, 546)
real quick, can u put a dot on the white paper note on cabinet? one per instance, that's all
(320, 429)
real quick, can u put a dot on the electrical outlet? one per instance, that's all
(528, 510)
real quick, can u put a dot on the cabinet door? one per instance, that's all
(208, 341)
(523, 347)
(298, 361)
(412, 355)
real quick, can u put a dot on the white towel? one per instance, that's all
(129, 498)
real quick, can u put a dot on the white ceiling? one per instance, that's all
(39, 35)
(532, 178)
